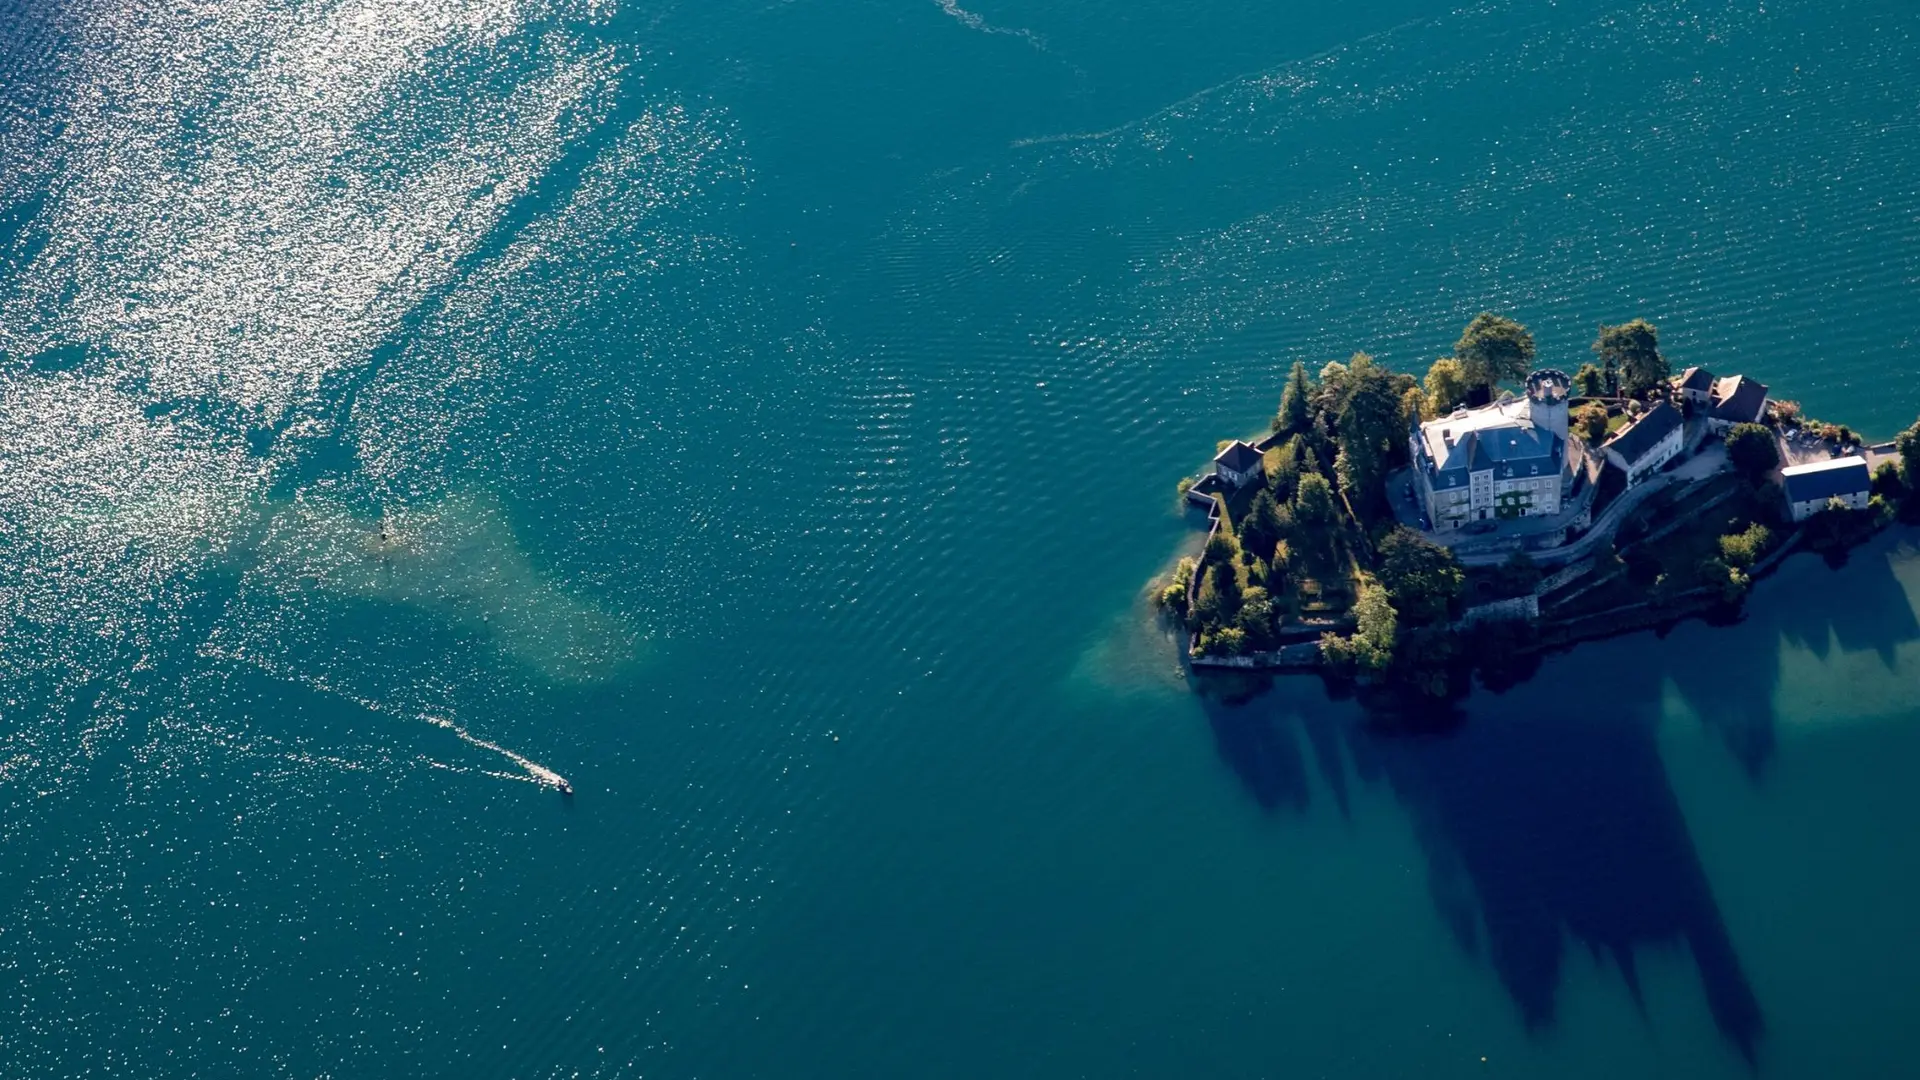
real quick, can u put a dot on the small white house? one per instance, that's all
(1238, 463)
(1810, 488)
(1640, 448)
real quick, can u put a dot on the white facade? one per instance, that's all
(1238, 464)
(1856, 500)
(1234, 476)
(1651, 459)
(1506, 460)
(1695, 386)
(1810, 488)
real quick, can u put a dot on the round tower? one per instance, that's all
(1547, 393)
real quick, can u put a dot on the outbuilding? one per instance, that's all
(1695, 386)
(1648, 443)
(1238, 463)
(1736, 399)
(1812, 488)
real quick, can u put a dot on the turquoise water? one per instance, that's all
(766, 415)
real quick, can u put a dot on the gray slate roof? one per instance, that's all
(1239, 456)
(1823, 480)
(1500, 437)
(1634, 441)
(1696, 378)
(1738, 398)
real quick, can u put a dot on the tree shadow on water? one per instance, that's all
(1251, 739)
(1538, 825)
(1556, 826)
(1728, 672)
(1542, 803)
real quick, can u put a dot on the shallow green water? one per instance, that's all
(766, 415)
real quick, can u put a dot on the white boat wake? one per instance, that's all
(533, 771)
(529, 770)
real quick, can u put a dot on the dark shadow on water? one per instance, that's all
(1541, 800)
(1729, 679)
(1543, 826)
(1261, 750)
(1860, 606)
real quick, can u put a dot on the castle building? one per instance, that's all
(1510, 459)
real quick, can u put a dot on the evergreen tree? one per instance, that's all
(1282, 466)
(1368, 425)
(1313, 507)
(1219, 599)
(1260, 527)
(1296, 409)
(1223, 546)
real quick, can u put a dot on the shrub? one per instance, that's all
(1173, 598)
(1715, 574)
(1887, 483)
(1256, 620)
(1590, 421)
(1370, 649)
(1742, 549)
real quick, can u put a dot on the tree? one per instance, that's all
(1716, 574)
(1446, 386)
(1370, 649)
(1590, 422)
(1260, 527)
(1589, 381)
(1752, 450)
(1907, 445)
(1632, 349)
(1333, 382)
(1887, 483)
(1295, 402)
(1282, 466)
(1256, 619)
(1313, 507)
(1421, 577)
(1173, 598)
(1413, 407)
(1368, 425)
(1219, 598)
(1494, 349)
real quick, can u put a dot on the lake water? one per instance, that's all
(766, 414)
